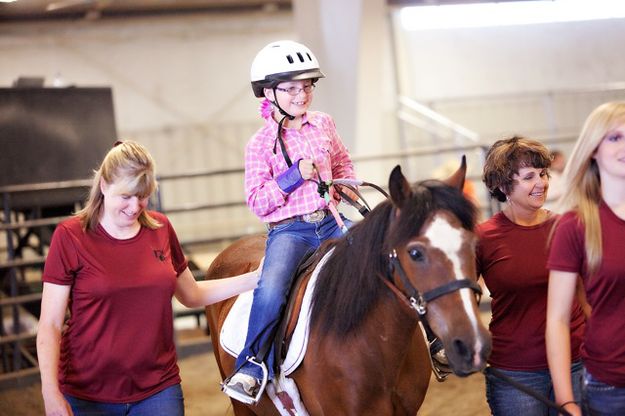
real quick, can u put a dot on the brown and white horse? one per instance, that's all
(366, 355)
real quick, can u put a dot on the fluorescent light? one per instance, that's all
(7, 1)
(509, 13)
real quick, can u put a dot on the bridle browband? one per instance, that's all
(419, 301)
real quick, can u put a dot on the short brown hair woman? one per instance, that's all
(511, 258)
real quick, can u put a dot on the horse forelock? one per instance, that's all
(429, 197)
(348, 287)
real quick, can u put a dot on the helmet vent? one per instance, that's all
(290, 59)
(308, 55)
(301, 58)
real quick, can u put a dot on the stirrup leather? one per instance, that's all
(242, 397)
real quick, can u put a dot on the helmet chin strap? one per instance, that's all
(279, 133)
(275, 103)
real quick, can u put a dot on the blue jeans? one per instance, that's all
(505, 400)
(600, 398)
(287, 244)
(168, 402)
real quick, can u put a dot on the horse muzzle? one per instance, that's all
(468, 356)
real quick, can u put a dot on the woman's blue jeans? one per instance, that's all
(601, 399)
(505, 400)
(287, 244)
(168, 402)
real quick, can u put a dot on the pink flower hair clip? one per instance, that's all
(266, 109)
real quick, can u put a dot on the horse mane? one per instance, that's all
(348, 286)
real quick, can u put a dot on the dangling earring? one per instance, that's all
(509, 201)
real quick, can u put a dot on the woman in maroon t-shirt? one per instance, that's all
(511, 258)
(588, 242)
(117, 266)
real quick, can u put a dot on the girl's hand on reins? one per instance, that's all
(306, 169)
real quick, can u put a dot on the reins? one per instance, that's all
(325, 189)
(526, 390)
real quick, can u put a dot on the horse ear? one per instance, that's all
(399, 187)
(456, 180)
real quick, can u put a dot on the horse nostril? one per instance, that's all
(461, 349)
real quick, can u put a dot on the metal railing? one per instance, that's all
(428, 120)
(445, 138)
(17, 324)
(539, 114)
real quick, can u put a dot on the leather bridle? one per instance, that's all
(416, 299)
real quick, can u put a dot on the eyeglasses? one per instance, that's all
(293, 91)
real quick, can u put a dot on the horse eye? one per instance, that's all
(416, 254)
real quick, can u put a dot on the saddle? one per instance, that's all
(234, 329)
(293, 307)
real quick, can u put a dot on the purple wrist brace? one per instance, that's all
(291, 179)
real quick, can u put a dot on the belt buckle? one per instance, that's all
(315, 216)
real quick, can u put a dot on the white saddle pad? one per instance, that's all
(234, 329)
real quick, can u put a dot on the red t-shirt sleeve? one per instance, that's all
(567, 248)
(178, 260)
(62, 259)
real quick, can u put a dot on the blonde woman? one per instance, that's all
(588, 242)
(117, 266)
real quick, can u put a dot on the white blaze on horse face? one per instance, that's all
(448, 239)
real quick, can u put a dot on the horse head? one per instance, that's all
(431, 247)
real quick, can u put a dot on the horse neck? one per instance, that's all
(389, 329)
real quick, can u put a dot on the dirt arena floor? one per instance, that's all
(200, 382)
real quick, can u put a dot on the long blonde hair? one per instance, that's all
(582, 180)
(130, 164)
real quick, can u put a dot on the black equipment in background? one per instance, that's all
(50, 135)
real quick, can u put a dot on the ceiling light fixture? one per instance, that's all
(508, 13)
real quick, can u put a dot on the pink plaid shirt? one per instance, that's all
(317, 140)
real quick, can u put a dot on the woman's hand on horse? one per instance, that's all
(306, 168)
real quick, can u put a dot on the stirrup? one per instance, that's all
(242, 397)
(438, 360)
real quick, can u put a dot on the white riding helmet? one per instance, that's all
(282, 61)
